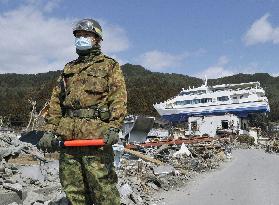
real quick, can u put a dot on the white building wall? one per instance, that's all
(210, 124)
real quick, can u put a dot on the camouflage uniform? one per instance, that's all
(89, 99)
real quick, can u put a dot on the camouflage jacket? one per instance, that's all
(94, 81)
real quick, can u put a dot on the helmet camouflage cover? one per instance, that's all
(88, 25)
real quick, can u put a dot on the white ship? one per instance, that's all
(239, 99)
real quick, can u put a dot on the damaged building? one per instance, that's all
(213, 125)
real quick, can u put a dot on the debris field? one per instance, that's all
(28, 176)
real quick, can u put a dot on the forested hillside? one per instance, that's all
(144, 89)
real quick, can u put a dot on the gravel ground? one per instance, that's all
(251, 178)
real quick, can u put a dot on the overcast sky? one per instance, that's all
(197, 38)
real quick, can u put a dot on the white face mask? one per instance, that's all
(83, 43)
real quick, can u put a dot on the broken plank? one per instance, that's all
(142, 156)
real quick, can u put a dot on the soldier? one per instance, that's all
(89, 102)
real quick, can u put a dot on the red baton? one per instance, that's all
(83, 143)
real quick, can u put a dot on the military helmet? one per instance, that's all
(88, 25)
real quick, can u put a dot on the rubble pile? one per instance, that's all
(245, 141)
(26, 176)
(273, 146)
(11, 147)
(139, 180)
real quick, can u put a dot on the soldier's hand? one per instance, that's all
(112, 136)
(47, 142)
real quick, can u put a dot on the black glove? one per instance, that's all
(112, 136)
(48, 142)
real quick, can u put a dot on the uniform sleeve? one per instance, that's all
(117, 97)
(54, 113)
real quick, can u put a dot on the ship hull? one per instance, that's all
(242, 110)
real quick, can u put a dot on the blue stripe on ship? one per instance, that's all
(241, 112)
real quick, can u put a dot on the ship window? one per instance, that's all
(185, 102)
(223, 98)
(206, 100)
(201, 92)
(218, 89)
(184, 93)
(188, 102)
(235, 97)
(196, 101)
(179, 102)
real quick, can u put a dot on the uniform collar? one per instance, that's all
(89, 55)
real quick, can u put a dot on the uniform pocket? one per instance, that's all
(97, 73)
(104, 113)
(96, 82)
